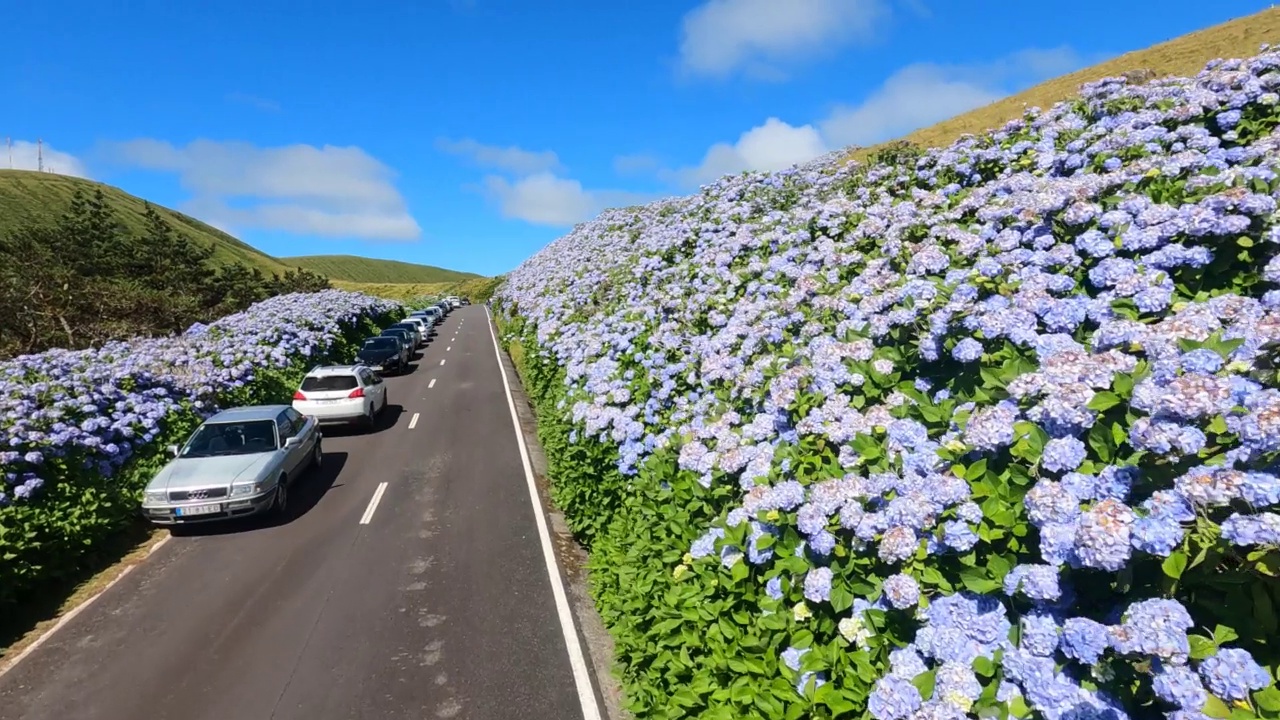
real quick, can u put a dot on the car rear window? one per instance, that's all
(326, 383)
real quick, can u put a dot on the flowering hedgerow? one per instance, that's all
(990, 432)
(80, 431)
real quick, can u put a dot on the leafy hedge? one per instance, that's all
(991, 430)
(84, 431)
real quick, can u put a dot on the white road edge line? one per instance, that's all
(413, 421)
(577, 660)
(73, 612)
(442, 361)
(373, 504)
(431, 384)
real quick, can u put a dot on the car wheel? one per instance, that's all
(280, 504)
(317, 456)
(369, 421)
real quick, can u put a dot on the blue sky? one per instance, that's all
(470, 133)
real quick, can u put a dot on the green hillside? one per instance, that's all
(350, 268)
(32, 198)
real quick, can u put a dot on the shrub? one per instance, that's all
(993, 432)
(82, 432)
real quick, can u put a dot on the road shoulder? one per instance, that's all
(571, 557)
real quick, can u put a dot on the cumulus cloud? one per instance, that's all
(775, 145)
(509, 158)
(914, 97)
(340, 192)
(26, 156)
(547, 199)
(760, 37)
(919, 95)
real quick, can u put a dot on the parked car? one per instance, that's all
(466, 301)
(239, 462)
(418, 337)
(382, 354)
(421, 324)
(433, 312)
(454, 302)
(342, 395)
(406, 337)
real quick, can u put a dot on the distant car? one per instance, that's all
(342, 395)
(454, 302)
(421, 324)
(466, 301)
(382, 354)
(435, 313)
(413, 328)
(406, 336)
(239, 462)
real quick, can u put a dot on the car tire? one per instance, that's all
(317, 456)
(280, 501)
(369, 421)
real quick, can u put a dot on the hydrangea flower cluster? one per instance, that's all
(67, 411)
(1070, 325)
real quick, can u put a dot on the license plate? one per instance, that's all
(328, 402)
(199, 510)
(377, 367)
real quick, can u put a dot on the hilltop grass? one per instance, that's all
(478, 289)
(349, 268)
(29, 198)
(34, 198)
(1181, 57)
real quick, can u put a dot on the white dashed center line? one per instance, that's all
(413, 421)
(373, 504)
(441, 361)
(448, 348)
(431, 384)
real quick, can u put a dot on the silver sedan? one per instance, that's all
(239, 462)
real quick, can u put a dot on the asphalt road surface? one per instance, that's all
(432, 601)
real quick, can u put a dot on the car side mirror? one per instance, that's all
(292, 442)
(173, 450)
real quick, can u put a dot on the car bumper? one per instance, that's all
(202, 512)
(343, 411)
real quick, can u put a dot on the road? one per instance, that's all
(439, 605)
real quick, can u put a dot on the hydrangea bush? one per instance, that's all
(992, 431)
(81, 432)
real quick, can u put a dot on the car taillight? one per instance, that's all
(357, 393)
(297, 395)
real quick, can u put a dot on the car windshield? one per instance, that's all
(393, 332)
(231, 438)
(405, 326)
(379, 343)
(329, 383)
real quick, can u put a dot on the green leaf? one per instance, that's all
(1175, 564)
(1268, 699)
(1104, 401)
(1215, 708)
(1223, 634)
(1202, 647)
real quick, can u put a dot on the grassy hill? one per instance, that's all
(1183, 56)
(34, 198)
(350, 268)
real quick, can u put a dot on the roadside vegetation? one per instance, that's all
(988, 430)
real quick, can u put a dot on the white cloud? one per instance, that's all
(775, 145)
(510, 158)
(328, 191)
(914, 97)
(920, 95)
(547, 199)
(26, 156)
(720, 37)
